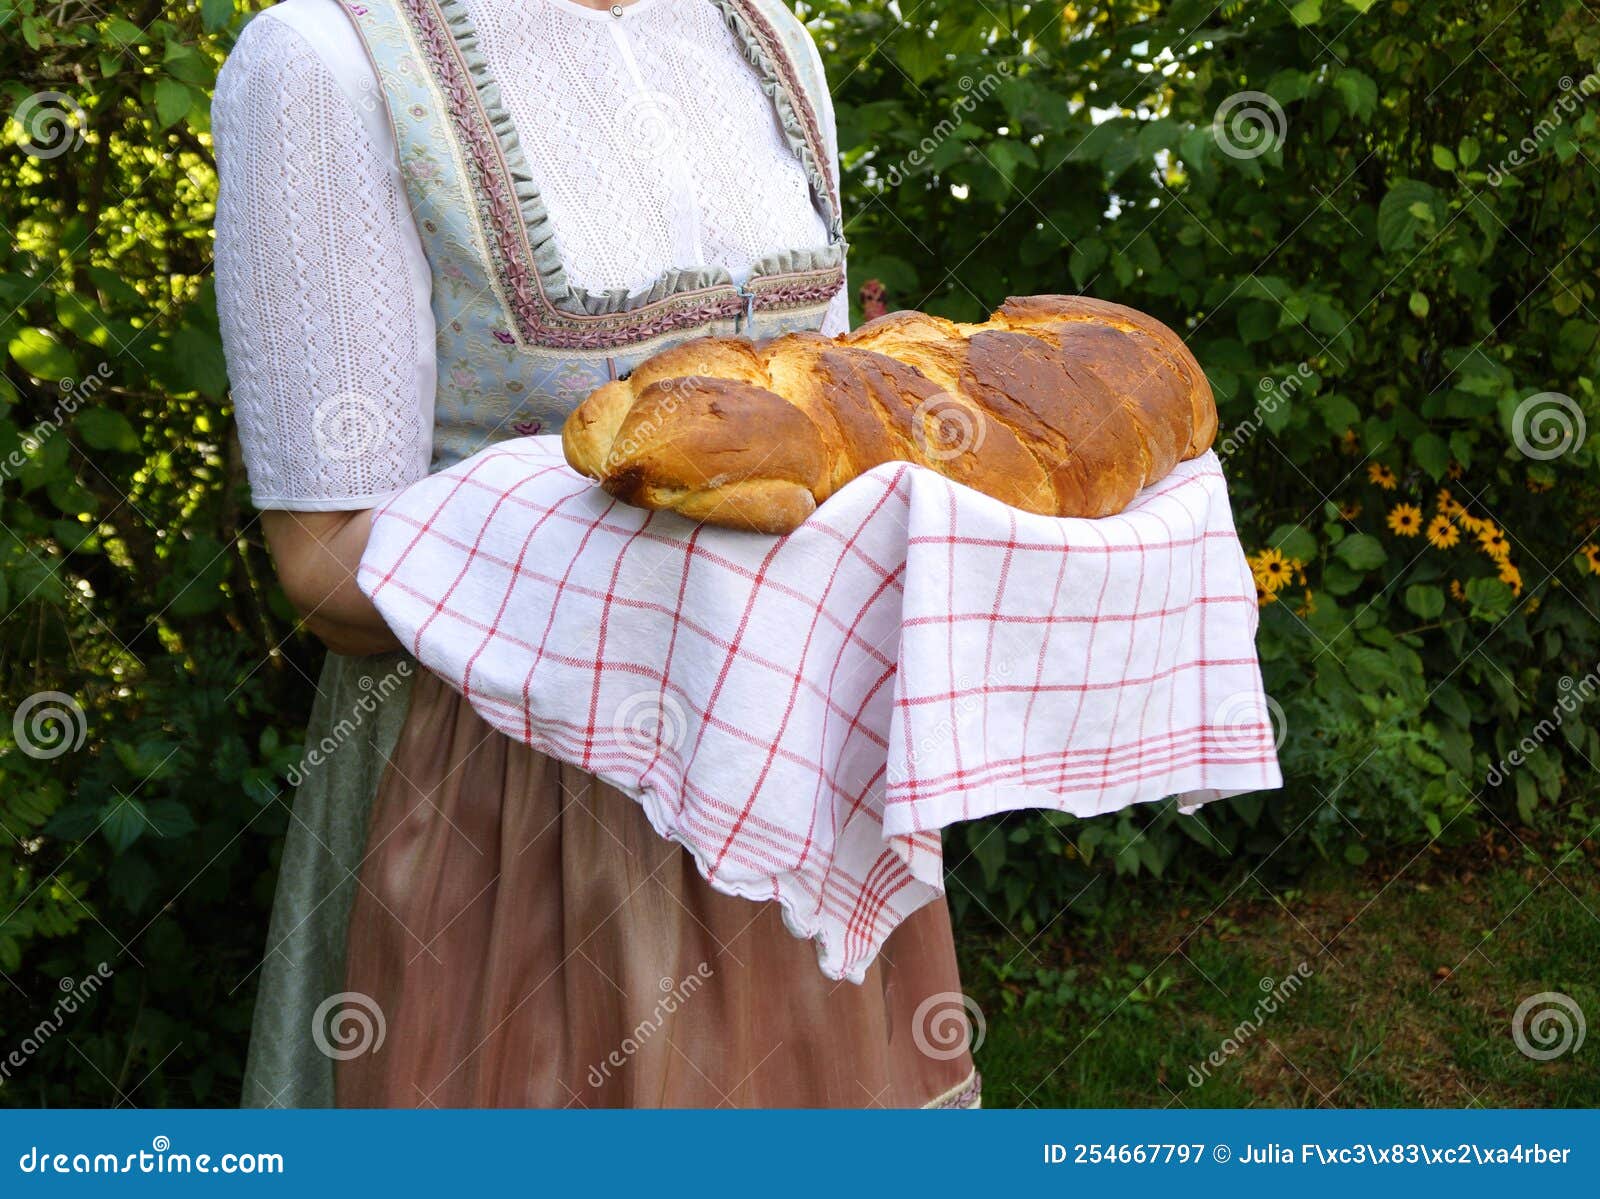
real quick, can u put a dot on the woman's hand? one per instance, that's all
(317, 554)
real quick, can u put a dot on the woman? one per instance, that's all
(442, 223)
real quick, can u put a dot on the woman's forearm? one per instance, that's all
(317, 554)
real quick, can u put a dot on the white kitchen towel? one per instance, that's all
(806, 713)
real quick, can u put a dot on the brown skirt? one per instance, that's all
(527, 940)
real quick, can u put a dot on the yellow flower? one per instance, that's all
(1471, 523)
(1263, 598)
(1405, 519)
(1494, 542)
(1381, 475)
(1309, 607)
(1511, 576)
(1456, 591)
(1533, 604)
(1455, 470)
(1591, 554)
(1441, 533)
(1272, 570)
(1448, 505)
(1538, 485)
(1350, 509)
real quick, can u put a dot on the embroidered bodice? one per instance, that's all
(651, 142)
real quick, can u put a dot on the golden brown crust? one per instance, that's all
(1060, 405)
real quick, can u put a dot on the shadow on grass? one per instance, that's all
(1392, 985)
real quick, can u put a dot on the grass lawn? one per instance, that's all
(1413, 969)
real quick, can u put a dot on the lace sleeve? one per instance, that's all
(837, 319)
(330, 371)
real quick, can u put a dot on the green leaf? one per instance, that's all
(105, 429)
(198, 360)
(1400, 214)
(1307, 12)
(1355, 853)
(1294, 541)
(1527, 797)
(1425, 601)
(215, 14)
(123, 821)
(1339, 579)
(1373, 670)
(173, 101)
(920, 56)
(1357, 91)
(169, 818)
(1432, 453)
(1087, 258)
(39, 353)
(1490, 598)
(1418, 303)
(189, 65)
(1448, 699)
(1257, 322)
(1362, 552)
(1443, 159)
(1338, 412)
(989, 848)
(123, 32)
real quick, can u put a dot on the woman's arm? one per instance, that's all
(317, 554)
(322, 294)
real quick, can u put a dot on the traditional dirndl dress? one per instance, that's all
(461, 921)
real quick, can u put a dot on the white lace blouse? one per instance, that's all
(648, 134)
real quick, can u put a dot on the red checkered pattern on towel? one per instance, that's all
(806, 713)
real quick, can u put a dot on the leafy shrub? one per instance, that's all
(1380, 250)
(1375, 295)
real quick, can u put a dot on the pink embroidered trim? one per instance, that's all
(820, 288)
(538, 320)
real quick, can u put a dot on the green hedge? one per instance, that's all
(1372, 221)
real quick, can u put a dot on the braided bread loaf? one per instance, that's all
(1059, 405)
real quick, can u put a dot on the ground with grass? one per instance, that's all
(1394, 985)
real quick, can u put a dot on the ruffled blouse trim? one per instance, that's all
(796, 113)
